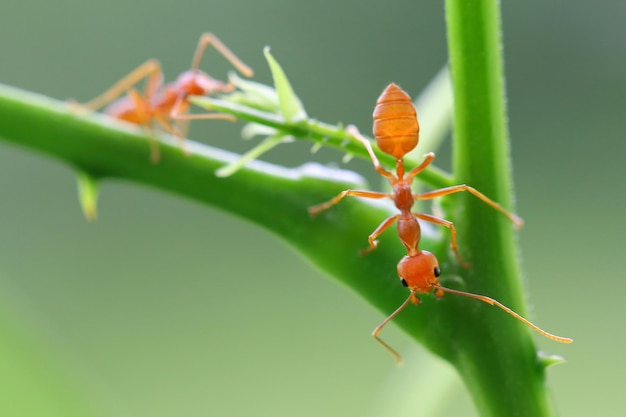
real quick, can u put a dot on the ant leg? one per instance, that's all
(155, 153)
(354, 131)
(180, 116)
(153, 84)
(517, 221)
(428, 158)
(180, 127)
(411, 299)
(168, 127)
(445, 223)
(355, 193)
(143, 118)
(379, 230)
(172, 129)
(179, 112)
(150, 69)
(143, 115)
(181, 120)
(141, 108)
(210, 39)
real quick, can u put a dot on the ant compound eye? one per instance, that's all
(404, 283)
(437, 271)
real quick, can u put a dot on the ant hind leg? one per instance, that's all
(150, 69)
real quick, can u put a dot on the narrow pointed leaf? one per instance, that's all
(548, 359)
(290, 105)
(267, 144)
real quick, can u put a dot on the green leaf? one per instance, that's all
(290, 106)
(253, 94)
(547, 359)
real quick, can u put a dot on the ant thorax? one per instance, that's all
(403, 196)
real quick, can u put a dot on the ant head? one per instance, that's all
(196, 82)
(395, 122)
(419, 272)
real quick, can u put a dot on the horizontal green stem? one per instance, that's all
(273, 197)
(323, 133)
(489, 348)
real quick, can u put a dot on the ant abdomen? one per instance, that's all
(395, 122)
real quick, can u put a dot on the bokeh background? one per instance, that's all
(164, 307)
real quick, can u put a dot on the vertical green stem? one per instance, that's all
(498, 361)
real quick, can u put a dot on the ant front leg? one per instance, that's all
(178, 122)
(445, 223)
(377, 232)
(411, 299)
(150, 69)
(354, 193)
(181, 119)
(210, 39)
(517, 221)
(180, 126)
(354, 131)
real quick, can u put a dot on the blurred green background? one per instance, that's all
(164, 307)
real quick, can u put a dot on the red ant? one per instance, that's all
(162, 104)
(396, 130)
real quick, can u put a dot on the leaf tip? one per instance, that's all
(291, 107)
(88, 188)
(548, 359)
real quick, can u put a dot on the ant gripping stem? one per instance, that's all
(397, 132)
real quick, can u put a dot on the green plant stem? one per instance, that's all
(499, 362)
(271, 196)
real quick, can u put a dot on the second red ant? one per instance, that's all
(165, 104)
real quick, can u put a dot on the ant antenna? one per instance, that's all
(378, 328)
(496, 303)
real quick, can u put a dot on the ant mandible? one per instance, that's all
(163, 104)
(396, 131)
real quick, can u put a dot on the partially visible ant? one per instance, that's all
(165, 104)
(396, 131)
